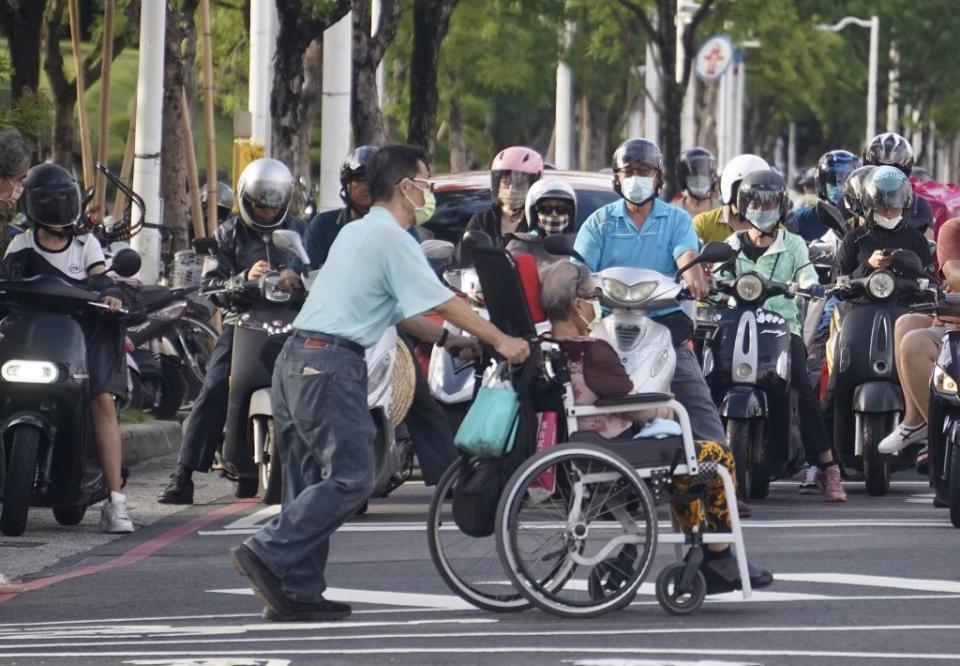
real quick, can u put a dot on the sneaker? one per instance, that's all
(178, 491)
(810, 482)
(264, 582)
(902, 437)
(723, 575)
(833, 485)
(298, 611)
(113, 515)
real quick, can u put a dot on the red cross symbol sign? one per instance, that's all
(715, 56)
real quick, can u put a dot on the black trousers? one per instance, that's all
(813, 430)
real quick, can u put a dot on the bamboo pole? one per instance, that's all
(208, 117)
(193, 175)
(120, 201)
(85, 151)
(106, 62)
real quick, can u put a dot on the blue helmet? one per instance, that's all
(833, 168)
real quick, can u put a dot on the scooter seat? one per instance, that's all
(665, 452)
(153, 297)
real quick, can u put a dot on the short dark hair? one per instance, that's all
(389, 166)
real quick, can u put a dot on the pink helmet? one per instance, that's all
(520, 162)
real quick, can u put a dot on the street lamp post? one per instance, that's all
(874, 25)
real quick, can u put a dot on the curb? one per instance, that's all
(143, 441)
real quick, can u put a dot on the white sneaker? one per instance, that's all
(902, 437)
(113, 515)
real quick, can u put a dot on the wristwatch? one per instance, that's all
(442, 340)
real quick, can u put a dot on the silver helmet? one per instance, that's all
(265, 182)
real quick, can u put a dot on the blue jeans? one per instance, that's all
(325, 437)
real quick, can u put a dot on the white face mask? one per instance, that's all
(637, 189)
(595, 303)
(887, 222)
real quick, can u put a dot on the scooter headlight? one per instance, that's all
(880, 285)
(632, 294)
(749, 288)
(708, 362)
(30, 372)
(272, 290)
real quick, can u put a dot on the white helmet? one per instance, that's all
(735, 171)
(550, 188)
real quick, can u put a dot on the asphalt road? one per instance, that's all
(874, 581)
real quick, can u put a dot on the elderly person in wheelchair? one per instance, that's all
(569, 297)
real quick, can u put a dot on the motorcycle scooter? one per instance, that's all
(47, 434)
(746, 362)
(867, 400)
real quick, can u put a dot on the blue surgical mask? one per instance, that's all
(835, 194)
(637, 189)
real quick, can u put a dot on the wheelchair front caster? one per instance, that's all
(671, 595)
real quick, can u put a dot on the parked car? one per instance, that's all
(461, 195)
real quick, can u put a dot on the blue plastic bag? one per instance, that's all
(490, 426)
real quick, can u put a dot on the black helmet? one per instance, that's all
(890, 149)
(354, 165)
(808, 181)
(697, 172)
(761, 192)
(833, 168)
(51, 197)
(224, 200)
(636, 151)
(854, 190)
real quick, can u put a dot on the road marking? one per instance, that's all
(663, 525)
(137, 553)
(656, 662)
(209, 662)
(919, 584)
(486, 649)
(383, 598)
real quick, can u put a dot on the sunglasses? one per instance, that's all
(558, 209)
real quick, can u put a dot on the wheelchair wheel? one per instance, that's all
(577, 530)
(669, 596)
(469, 566)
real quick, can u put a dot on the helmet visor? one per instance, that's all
(699, 165)
(838, 174)
(53, 208)
(636, 154)
(512, 179)
(268, 193)
(761, 200)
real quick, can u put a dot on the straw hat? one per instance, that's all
(403, 384)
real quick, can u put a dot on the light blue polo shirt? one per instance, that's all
(609, 238)
(375, 276)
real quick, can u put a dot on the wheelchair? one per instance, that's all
(575, 525)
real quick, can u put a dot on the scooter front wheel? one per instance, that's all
(20, 479)
(70, 515)
(876, 467)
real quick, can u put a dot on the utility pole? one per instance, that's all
(563, 124)
(893, 88)
(651, 81)
(335, 110)
(263, 46)
(146, 160)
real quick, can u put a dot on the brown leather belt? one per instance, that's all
(320, 340)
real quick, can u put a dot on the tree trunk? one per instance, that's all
(583, 157)
(431, 20)
(23, 24)
(173, 174)
(368, 50)
(298, 28)
(310, 104)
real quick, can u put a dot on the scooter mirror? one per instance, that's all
(907, 263)
(473, 239)
(126, 262)
(715, 252)
(288, 240)
(437, 251)
(832, 219)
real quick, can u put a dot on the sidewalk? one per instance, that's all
(143, 441)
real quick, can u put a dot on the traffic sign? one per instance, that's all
(714, 57)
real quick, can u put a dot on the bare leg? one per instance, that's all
(921, 350)
(106, 432)
(905, 325)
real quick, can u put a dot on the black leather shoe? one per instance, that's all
(302, 612)
(264, 582)
(178, 491)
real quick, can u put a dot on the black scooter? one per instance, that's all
(48, 446)
(745, 354)
(248, 452)
(867, 400)
(943, 418)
